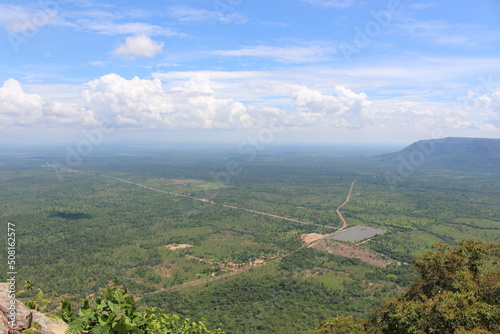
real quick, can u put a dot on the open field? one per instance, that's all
(352, 251)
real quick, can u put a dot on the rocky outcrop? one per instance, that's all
(15, 317)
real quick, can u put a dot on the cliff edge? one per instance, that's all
(16, 318)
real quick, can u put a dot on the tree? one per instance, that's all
(458, 291)
(341, 325)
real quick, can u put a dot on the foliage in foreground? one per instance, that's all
(116, 313)
(341, 325)
(458, 291)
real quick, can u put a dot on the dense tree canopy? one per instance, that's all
(457, 291)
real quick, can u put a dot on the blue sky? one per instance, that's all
(329, 71)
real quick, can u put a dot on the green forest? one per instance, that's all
(457, 290)
(157, 219)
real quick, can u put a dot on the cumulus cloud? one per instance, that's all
(18, 108)
(140, 102)
(491, 108)
(492, 101)
(343, 109)
(474, 110)
(138, 46)
(144, 103)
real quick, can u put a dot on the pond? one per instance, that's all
(357, 233)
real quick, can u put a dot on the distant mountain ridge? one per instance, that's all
(452, 153)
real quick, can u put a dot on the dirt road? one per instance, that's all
(238, 271)
(241, 270)
(344, 223)
(205, 200)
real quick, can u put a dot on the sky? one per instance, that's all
(309, 71)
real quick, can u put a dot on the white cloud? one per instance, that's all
(138, 46)
(97, 63)
(31, 78)
(213, 75)
(488, 106)
(470, 94)
(495, 101)
(404, 97)
(344, 109)
(112, 21)
(193, 15)
(19, 19)
(310, 53)
(112, 28)
(194, 103)
(238, 85)
(445, 33)
(398, 115)
(29, 19)
(18, 108)
(144, 103)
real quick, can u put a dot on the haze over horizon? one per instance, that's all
(308, 71)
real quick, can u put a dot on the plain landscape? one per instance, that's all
(273, 244)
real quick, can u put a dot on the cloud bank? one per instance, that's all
(18, 108)
(145, 103)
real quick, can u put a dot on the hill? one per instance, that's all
(452, 153)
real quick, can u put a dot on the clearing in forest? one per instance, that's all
(352, 251)
(174, 247)
(311, 237)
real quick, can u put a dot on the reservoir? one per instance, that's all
(357, 234)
